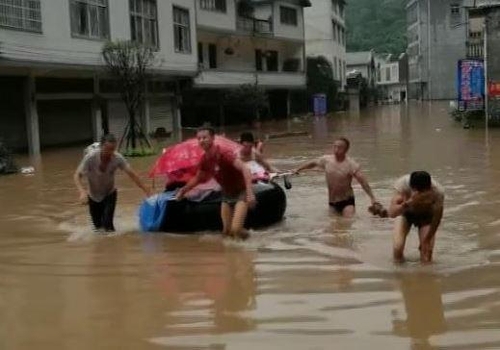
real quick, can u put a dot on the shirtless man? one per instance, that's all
(340, 170)
(419, 201)
(232, 175)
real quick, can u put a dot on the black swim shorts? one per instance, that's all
(339, 206)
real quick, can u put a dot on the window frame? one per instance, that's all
(175, 24)
(25, 9)
(107, 35)
(204, 5)
(284, 19)
(134, 15)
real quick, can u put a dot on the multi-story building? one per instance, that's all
(363, 62)
(392, 78)
(326, 34)
(247, 42)
(53, 88)
(436, 32)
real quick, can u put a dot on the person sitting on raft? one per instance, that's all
(252, 157)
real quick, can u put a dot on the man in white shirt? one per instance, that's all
(418, 201)
(99, 166)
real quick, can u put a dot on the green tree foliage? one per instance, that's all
(128, 63)
(376, 24)
(250, 96)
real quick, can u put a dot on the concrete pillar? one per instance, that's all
(288, 111)
(31, 114)
(96, 120)
(96, 112)
(146, 117)
(176, 119)
(145, 112)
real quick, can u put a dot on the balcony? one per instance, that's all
(254, 25)
(226, 79)
(475, 49)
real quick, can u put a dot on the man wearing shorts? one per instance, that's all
(339, 171)
(418, 201)
(232, 175)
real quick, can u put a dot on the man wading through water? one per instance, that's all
(232, 175)
(99, 167)
(419, 200)
(339, 171)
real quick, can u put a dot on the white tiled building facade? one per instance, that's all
(54, 90)
(326, 34)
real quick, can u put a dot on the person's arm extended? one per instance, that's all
(190, 185)
(78, 178)
(361, 178)
(397, 206)
(437, 209)
(247, 176)
(262, 161)
(309, 165)
(134, 177)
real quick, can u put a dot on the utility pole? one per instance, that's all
(429, 44)
(485, 63)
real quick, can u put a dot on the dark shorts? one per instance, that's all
(417, 220)
(102, 212)
(233, 199)
(340, 206)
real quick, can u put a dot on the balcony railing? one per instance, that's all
(474, 49)
(254, 25)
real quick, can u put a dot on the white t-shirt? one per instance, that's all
(402, 185)
(101, 183)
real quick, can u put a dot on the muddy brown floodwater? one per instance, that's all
(313, 281)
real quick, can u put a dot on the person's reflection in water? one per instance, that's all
(223, 275)
(424, 309)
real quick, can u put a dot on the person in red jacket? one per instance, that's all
(232, 175)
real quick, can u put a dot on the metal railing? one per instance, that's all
(254, 25)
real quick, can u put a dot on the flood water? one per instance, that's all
(314, 281)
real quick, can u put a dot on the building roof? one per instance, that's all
(359, 58)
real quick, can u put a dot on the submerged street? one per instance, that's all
(314, 281)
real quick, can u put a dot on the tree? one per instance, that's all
(128, 63)
(378, 25)
(249, 96)
(320, 80)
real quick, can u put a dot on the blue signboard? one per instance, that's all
(470, 85)
(319, 104)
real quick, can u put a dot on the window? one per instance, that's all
(341, 9)
(89, 18)
(335, 68)
(21, 14)
(213, 5)
(182, 32)
(272, 61)
(212, 56)
(144, 22)
(387, 74)
(455, 9)
(258, 60)
(455, 17)
(200, 53)
(412, 14)
(288, 16)
(334, 28)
